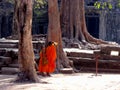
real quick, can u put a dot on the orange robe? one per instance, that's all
(42, 67)
(51, 57)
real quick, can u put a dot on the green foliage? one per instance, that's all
(97, 5)
(103, 5)
(106, 4)
(118, 4)
(38, 4)
(40, 7)
(110, 6)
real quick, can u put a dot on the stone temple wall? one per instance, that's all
(113, 26)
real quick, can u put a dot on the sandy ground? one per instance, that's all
(77, 81)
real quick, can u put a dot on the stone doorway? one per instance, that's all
(92, 22)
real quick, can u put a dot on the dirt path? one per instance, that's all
(79, 81)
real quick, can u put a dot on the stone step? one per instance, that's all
(8, 45)
(105, 53)
(16, 65)
(1, 64)
(5, 60)
(2, 51)
(66, 70)
(108, 49)
(74, 52)
(8, 41)
(110, 57)
(88, 62)
(81, 59)
(100, 70)
(9, 70)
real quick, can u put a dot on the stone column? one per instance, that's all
(102, 25)
(0, 25)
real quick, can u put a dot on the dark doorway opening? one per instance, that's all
(92, 22)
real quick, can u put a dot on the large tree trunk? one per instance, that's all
(54, 33)
(73, 22)
(26, 54)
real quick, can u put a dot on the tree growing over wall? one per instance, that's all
(73, 22)
(73, 25)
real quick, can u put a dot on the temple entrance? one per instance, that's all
(92, 22)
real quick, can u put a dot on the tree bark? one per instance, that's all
(54, 33)
(73, 21)
(26, 54)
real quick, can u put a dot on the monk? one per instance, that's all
(47, 60)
